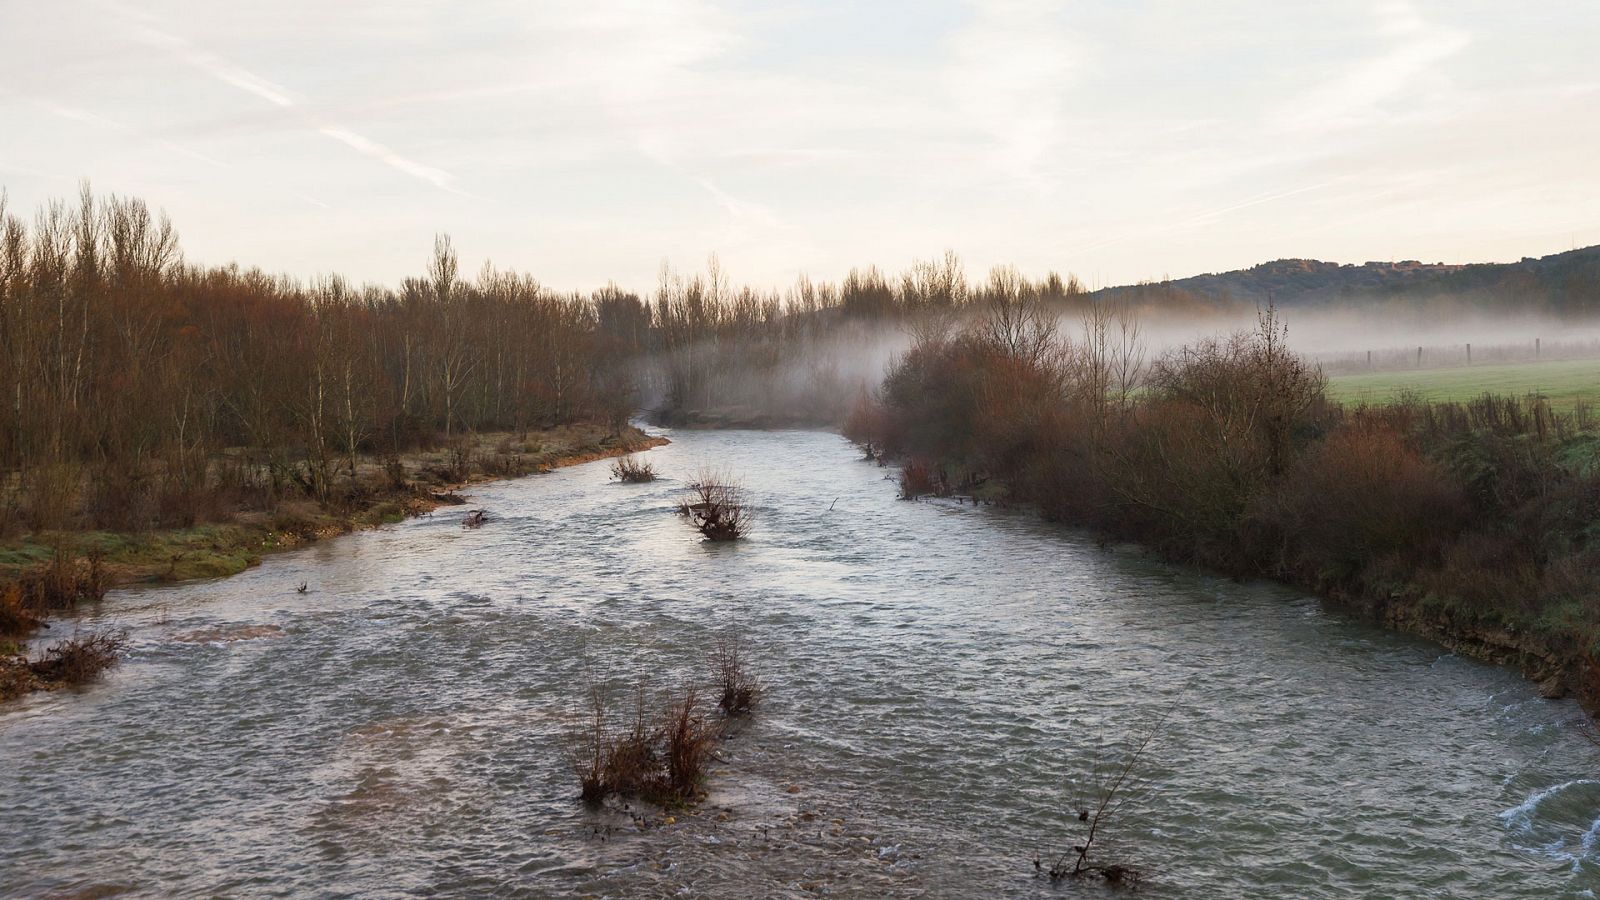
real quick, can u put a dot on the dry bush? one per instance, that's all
(394, 472)
(660, 757)
(869, 423)
(919, 477)
(738, 690)
(632, 470)
(62, 583)
(51, 495)
(80, 658)
(609, 760)
(117, 499)
(16, 618)
(689, 742)
(589, 748)
(1359, 496)
(1486, 572)
(716, 506)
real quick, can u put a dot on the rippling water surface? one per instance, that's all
(937, 676)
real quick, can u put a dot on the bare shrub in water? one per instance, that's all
(689, 743)
(81, 658)
(660, 757)
(716, 506)
(589, 749)
(632, 470)
(738, 690)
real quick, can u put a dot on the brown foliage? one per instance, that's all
(80, 658)
(919, 477)
(1360, 496)
(738, 690)
(16, 618)
(660, 756)
(632, 470)
(60, 584)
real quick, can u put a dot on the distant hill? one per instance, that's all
(1567, 283)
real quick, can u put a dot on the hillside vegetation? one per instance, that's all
(1563, 283)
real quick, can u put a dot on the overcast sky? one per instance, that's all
(587, 141)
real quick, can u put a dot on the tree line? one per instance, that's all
(137, 387)
(125, 371)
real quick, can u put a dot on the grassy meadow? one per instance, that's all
(1565, 383)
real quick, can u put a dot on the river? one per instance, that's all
(936, 677)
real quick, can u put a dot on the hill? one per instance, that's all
(1565, 283)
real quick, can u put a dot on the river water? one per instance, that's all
(938, 678)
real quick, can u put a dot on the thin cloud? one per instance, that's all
(83, 116)
(1008, 74)
(436, 177)
(215, 66)
(243, 79)
(1416, 47)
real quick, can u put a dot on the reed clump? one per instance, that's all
(660, 749)
(656, 754)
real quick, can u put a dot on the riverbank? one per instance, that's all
(1473, 524)
(1551, 652)
(377, 492)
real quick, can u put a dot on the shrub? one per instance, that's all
(738, 691)
(1357, 497)
(52, 495)
(16, 619)
(79, 659)
(689, 742)
(60, 584)
(716, 507)
(919, 477)
(632, 470)
(660, 758)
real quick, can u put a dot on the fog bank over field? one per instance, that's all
(1340, 336)
(814, 377)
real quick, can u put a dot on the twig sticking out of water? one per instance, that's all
(1107, 793)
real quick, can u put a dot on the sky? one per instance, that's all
(587, 142)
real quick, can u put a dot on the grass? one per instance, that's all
(217, 550)
(1565, 383)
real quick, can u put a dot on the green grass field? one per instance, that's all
(1564, 383)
